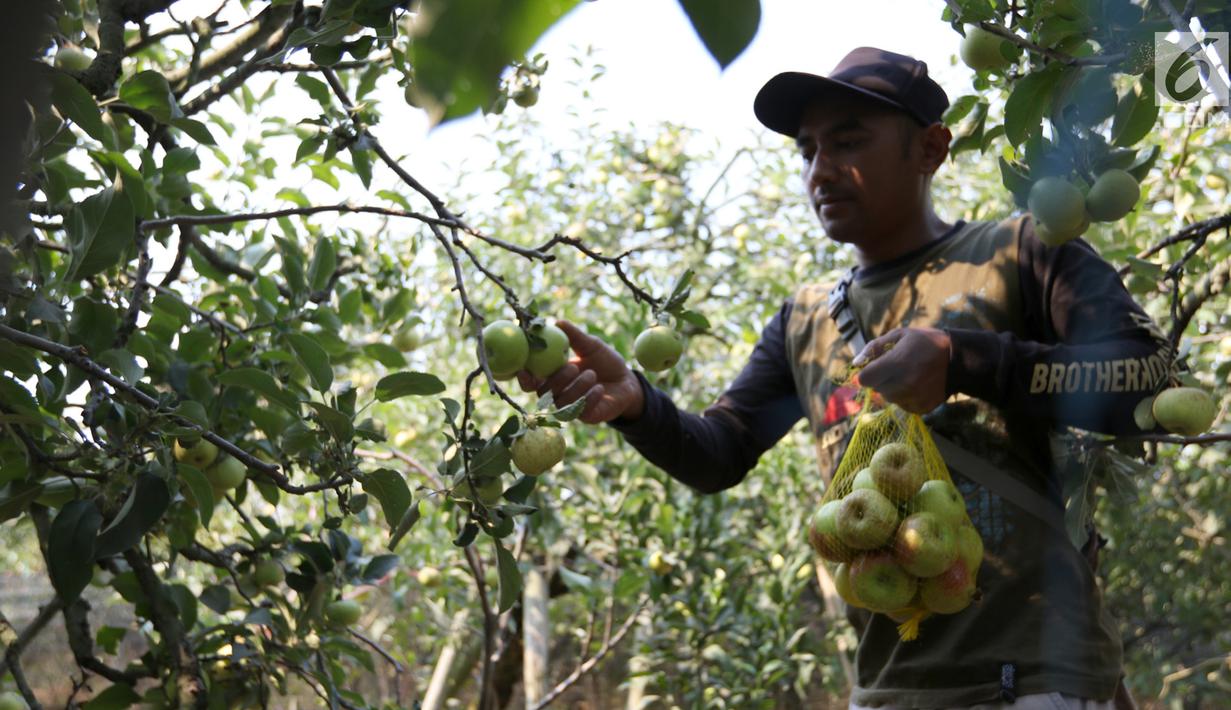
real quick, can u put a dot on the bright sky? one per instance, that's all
(658, 70)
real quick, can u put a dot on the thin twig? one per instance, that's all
(97, 373)
(614, 261)
(211, 219)
(594, 660)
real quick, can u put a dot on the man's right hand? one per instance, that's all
(598, 373)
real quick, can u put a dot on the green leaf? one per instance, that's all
(15, 496)
(313, 358)
(629, 583)
(402, 384)
(409, 518)
(1014, 180)
(317, 89)
(150, 92)
(1135, 115)
(958, 109)
(337, 423)
(197, 130)
(1145, 160)
(99, 230)
(1023, 112)
(109, 637)
(385, 354)
(574, 581)
(200, 492)
(363, 165)
(380, 566)
(324, 262)
(18, 360)
(124, 364)
(292, 265)
(147, 501)
(726, 28)
(389, 488)
(510, 578)
(570, 412)
(461, 47)
(260, 382)
(193, 412)
(694, 318)
(70, 548)
(77, 105)
(492, 460)
(115, 697)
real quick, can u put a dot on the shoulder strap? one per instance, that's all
(972, 466)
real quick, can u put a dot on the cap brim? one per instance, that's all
(780, 104)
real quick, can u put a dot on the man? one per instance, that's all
(996, 338)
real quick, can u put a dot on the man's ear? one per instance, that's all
(935, 139)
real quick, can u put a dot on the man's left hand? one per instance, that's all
(908, 367)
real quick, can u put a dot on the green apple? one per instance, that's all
(552, 355)
(199, 455)
(658, 348)
(1054, 237)
(866, 520)
(823, 534)
(537, 450)
(428, 576)
(506, 347)
(950, 591)
(842, 580)
(659, 564)
(982, 50)
(897, 470)
(925, 545)
(268, 573)
(343, 612)
(12, 701)
(1058, 204)
(940, 498)
(489, 488)
(228, 473)
(863, 479)
(970, 547)
(1143, 414)
(1113, 195)
(407, 340)
(1187, 411)
(880, 584)
(71, 58)
(1224, 346)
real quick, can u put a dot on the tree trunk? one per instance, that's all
(536, 636)
(434, 697)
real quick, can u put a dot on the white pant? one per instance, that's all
(1038, 701)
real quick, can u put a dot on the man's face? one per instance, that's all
(859, 168)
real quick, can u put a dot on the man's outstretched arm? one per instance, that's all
(709, 452)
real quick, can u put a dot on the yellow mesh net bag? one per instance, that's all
(892, 527)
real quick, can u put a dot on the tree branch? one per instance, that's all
(96, 372)
(615, 262)
(1196, 230)
(267, 23)
(594, 660)
(281, 28)
(1210, 285)
(344, 208)
(184, 664)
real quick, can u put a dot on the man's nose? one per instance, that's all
(821, 170)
